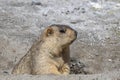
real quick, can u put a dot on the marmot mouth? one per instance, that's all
(72, 41)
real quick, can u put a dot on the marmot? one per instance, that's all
(50, 54)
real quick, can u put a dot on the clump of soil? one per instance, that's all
(77, 67)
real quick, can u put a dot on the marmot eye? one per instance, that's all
(62, 31)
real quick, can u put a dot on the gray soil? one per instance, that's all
(95, 55)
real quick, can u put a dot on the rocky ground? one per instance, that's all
(96, 52)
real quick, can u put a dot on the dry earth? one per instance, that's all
(96, 21)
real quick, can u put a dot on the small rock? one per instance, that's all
(5, 72)
(34, 2)
(110, 60)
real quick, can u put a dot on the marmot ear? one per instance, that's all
(49, 32)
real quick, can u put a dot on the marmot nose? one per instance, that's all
(62, 29)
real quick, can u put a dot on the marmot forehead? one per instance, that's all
(61, 26)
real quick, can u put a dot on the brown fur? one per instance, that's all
(50, 55)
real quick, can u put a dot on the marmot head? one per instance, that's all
(61, 35)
